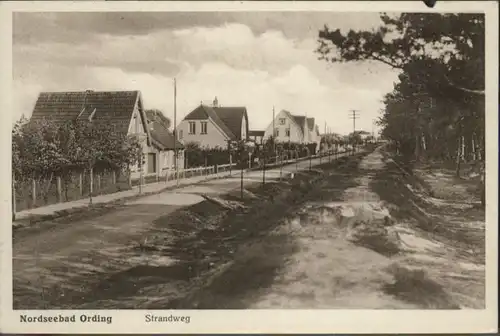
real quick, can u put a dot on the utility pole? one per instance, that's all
(241, 152)
(176, 166)
(354, 116)
(325, 143)
(274, 135)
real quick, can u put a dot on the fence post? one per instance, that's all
(98, 182)
(264, 170)
(59, 189)
(80, 183)
(113, 174)
(91, 183)
(281, 165)
(33, 190)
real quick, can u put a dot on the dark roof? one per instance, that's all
(163, 137)
(229, 119)
(256, 133)
(300, 120)
(233, 117)
(110, 106)
(157, 115)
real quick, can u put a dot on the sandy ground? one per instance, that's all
(338, 263)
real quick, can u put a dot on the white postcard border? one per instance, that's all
(260, 321)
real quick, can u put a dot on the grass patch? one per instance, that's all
(375, 237)
(414, 286)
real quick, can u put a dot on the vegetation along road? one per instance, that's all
(357, 232)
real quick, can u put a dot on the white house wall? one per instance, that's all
(295, 132)
(243, 128)
(214, 137)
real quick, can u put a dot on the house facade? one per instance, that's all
(288, 128)
(124, 109)
(214, 126)
(163, 138)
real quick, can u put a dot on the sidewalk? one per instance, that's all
(150, 188)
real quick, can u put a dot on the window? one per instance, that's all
(282, 121)
(180, 134)
(287, 131)
(192, 127)
(203, 127)
(276, 132)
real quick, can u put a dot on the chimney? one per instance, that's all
(216, 102)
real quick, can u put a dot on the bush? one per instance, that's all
(45, 150)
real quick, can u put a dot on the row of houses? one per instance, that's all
(214, 125)
(210, 126)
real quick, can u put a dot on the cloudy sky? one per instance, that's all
(253, 59)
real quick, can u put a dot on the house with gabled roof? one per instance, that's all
(213, 126)
(288, 127)
(124, 110)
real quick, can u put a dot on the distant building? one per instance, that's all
(213, 126)
(256, 136)
(293, 128)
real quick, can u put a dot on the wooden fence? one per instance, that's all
(35, 193)
(31, 194)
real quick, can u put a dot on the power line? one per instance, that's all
(353, 115)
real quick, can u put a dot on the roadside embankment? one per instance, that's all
(185, 251)
(350, 245)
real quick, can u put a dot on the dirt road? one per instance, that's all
(349, 248)
(356, 234)
(53, 267)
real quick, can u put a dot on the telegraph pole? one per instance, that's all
(354, 116)
(274, 135)
(176, 167)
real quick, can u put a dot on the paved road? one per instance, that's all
(49, 259)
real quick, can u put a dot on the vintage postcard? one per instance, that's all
(249, 167)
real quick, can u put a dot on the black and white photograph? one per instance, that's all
(175, 162)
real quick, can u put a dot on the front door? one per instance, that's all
(151, 163)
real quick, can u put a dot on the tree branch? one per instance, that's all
(476, 92)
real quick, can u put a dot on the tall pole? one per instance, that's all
(274, 135)
(325, 142)
(176, 167)
(354, 116)
(264, 166)
(241, 168)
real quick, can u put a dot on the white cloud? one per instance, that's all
(229, 61)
